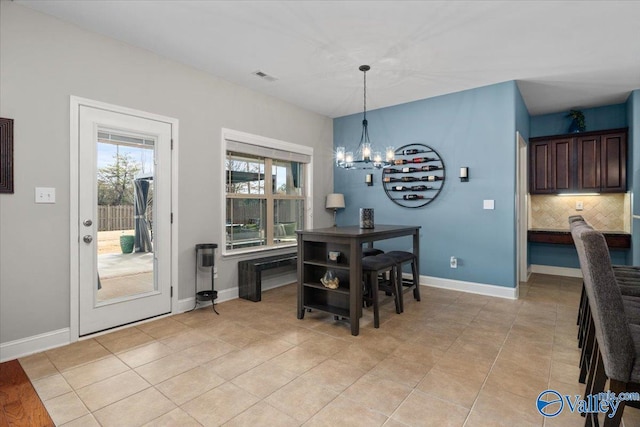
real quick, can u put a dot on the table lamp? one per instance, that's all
(335, 201)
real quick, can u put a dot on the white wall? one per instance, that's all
(42, 62)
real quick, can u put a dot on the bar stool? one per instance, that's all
(403, 257)
(371, 252)
(372, 267)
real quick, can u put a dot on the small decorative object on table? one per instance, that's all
(577, 124)
(330, 280)
(366, 218)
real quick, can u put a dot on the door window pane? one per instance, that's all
(124, 216)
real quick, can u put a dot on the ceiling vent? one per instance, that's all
(264, 76)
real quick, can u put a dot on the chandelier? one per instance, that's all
(365, 156)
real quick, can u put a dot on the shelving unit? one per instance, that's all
(315, 264)
(417, 177)
(313, 261)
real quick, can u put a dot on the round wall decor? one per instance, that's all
(416, 178)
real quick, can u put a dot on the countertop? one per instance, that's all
(615, 239)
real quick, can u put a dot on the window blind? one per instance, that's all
(259, 150)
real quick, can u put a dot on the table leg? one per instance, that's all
(355, 286)
(416, 250)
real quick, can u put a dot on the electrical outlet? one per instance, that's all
(579, 206)
(453, 262)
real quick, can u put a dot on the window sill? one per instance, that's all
(262, 249)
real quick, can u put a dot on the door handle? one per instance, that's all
(88, 238)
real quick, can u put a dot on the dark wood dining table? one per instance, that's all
(313, 248)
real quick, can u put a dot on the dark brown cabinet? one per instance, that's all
(585, 162)
(550, 165)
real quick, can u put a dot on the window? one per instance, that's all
(266, 192)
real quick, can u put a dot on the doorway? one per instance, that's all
(122, 261)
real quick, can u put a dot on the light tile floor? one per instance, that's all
(453, 359)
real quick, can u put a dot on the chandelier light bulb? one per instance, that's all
(366, 151)
(348, 158)
(391, 153)
(377, 158)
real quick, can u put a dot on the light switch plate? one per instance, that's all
(579, 206)
(45, 195)
(488, 204)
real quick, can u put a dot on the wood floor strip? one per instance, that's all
(19, 402)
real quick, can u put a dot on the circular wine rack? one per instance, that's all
(416, 178)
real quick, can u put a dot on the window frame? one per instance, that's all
(269, 143)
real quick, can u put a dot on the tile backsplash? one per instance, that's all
(606, 212)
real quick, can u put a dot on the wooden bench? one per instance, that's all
(250, 273)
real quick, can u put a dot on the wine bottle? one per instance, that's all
(420, 188)
(392, 170)
(410, 151)
(432, 178)
(409, 170)
(390, 179)
(423, 159)
(427, 168)
(412, 197)
(399, 188)
(409, 179)
(399, 162)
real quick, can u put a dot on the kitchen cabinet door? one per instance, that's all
(589, 155)
(614, 162)
(540, 170)
(550, 166)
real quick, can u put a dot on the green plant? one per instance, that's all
(578, 117)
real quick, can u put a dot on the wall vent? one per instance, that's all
(264, 76)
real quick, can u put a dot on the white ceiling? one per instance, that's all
(564, 54)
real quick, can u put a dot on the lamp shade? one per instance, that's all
(335, 201)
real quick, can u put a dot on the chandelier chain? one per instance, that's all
(365, 95)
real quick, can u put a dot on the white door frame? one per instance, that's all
(74, 240)
(522, 210)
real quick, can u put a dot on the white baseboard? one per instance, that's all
(37, 343)
(556, 271)
(470, 287)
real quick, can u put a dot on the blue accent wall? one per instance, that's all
(523, 119)
(597, 118)
(474, 128)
